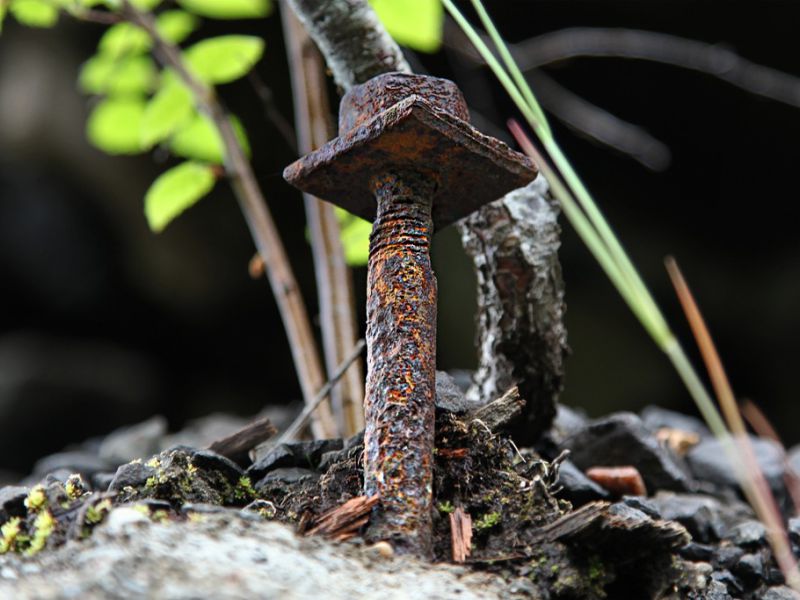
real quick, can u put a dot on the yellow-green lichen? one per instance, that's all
(98, 512)
(43, 527)
(9, 533)
(36, 499)
(74, 487)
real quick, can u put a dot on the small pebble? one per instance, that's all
(383, 549)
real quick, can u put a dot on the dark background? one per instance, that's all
(103, 323)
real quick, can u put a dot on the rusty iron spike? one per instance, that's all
(407, 159)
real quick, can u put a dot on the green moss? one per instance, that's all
(43, 527)
(244, 489)
(487, 521)
(36, 499)
(446, 507)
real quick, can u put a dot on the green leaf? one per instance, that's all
(201, 140)
(224, 59)
(34, 13)
(2, 14)
(170, 108)
(228, 9)
(176, 25)
(115, 124)
(413, 23)
(124, 38)
(104, 74)
(355, 237)
(175, 191)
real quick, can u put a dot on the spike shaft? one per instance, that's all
(401, 354)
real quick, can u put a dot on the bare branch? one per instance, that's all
(599, 124)
(259, 220)
(710, 59)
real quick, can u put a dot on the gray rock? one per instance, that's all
(135, 441)
(229, 559)
(697, 552)
(211, 461)
(450, 397)
(727, 556)
(643, 505)
(568, 422)
(655, 417)
(622, 439)
(297, 454)
(85, 463)
(706, 518)
(287, 475)
(12, 502)
(101, 481)
(780, 593)
(717, 591)
(708, 461)
(748, 534)
(577, 487)
(201, 432)
(750, 568)
(134, 474)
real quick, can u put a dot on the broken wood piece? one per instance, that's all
(237, 445)
(620, 481)
(343, 522)
(677, 440)
(499, 413)
(461, 534)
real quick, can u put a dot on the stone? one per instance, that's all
(717, 591)
(655, 418)
(287, 475)
(85, 463)
(750, 568)
(643, 505)
(709, 461)
(697, 552)
(450, 397)
(568, 422)
(101, 481)
(331, 458)
(706, 518)
(727, 556)
(577, 487)
(12, 501)
(622, 439)
(211, 461)
(123, 519)
(133, 474)
(748, 534)
(731, 583)
(307, 454)
(134, 441)
(780, 592)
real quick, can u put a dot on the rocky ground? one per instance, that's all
(145, 513)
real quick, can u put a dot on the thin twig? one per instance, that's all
(754, 485)
(709, 59)
(303, 417)
(271, 111)
(259, 220)
(334, 279)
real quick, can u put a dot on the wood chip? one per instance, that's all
(236, 445)
(461, 534)
(343, 522)
(501, 412)
(620, 481)
(677, 440)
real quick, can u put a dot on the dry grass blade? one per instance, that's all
(761, 425)
(343, 522)
(751, 477)
(461, 534)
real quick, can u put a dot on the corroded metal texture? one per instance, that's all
(363, 102)
(401, 354)
(414, 133)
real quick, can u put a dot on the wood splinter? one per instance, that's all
(461, 534)
(343, 522)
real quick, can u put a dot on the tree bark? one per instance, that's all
(513, 241)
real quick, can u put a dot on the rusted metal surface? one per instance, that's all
(401, 367)
(414, 133)
(407, 159)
